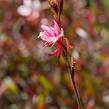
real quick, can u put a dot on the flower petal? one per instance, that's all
(46, 38)
(56, 28)
(48, 30)
(61, 33)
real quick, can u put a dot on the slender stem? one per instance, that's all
(77, 94)
(73, 82)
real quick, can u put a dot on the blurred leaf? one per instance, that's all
(46, 84)
(10, 85)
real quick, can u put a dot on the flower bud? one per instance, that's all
(54, 5)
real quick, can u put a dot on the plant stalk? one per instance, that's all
(72, 74)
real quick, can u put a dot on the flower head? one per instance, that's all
(51, 35)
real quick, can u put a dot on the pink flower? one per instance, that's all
(51, 35)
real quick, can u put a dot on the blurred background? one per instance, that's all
(30, 79)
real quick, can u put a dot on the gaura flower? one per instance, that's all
(53, 35)
(29, 7)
